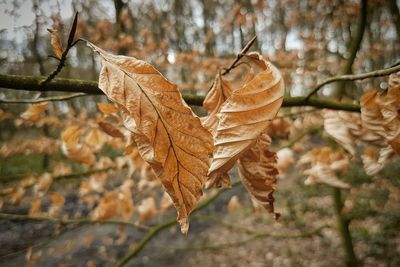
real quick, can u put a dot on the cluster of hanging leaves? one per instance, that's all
(377, 128)
(186, 152)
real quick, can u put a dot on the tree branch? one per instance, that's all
(43, 99)
(239, 56)
(18, 217)
(63, 58)
(32, 83)
(361, 76)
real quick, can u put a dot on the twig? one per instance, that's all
(63, 58)
(18, 217)
(300, 136)
(361, 76)
(239, 56)
(156, 229)
(59, 177)
(43, 99)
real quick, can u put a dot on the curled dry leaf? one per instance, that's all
(74, 150)
(116, 203)
(257, 170)
(167, 133)
(219, 92)
(110, 129)
(242, 119)
(95, 139)
(55, 42)
(285, 159)
(234, 204)
(335, 125)
(107, 108)
(43, 184)
(35, 209)
(34, 112)
(322, 173)
(374, 161)
(326, 164)
(57, 204)
(390, 110)
(146, 209)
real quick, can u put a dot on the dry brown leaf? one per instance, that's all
(146, 209)
(95, 139)
(35, 209)
(335, 126)
(370, 113)
(257, 170)
(390, 106)
(4, 115)
(107, 108)
(33, 113)
(234, 204)
(374, 161)
(168, 135)
(322, 173)
(325, 164)
(43, 184)
(55, 42)
(57, 204)
(243, 117)
(285, 159)
(217, 95)
(110, 129)
(107, 208)
(73, 149)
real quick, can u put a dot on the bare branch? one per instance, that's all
(18, 217)
(239, 56)
(361, 76)
(44, 99)
(63, 58)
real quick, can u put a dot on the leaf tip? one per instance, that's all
(184, 223)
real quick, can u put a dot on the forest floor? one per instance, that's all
(305, 235)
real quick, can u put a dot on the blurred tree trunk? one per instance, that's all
(394, 10)
(355, 45)
(208, 18)
(35, 52)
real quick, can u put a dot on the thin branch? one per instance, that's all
(32, 83)
(361, 76)
(59, 177)
(239, 56)
(300, 136)
(43, 99)
(18, 217)
(63, 58)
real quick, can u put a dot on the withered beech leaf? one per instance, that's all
(167, 133)
(106, 108)
(110, 129)
(258, 172)
(335, 126)
(55, 42)
(243, 117)
(219, 92)
(75, 150)
(34, 112)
